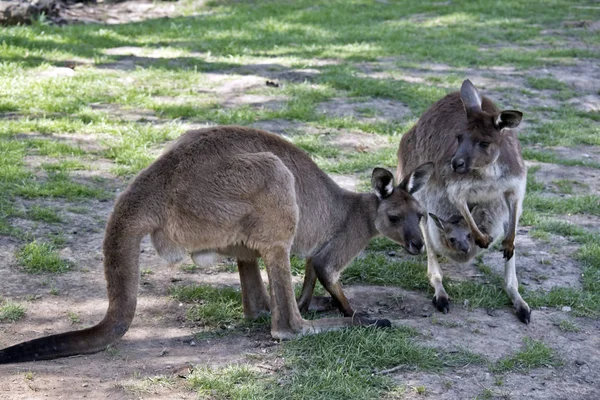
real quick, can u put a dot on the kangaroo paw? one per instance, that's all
(508, 249)
(524, 313)
(484, 241)
(442, 303)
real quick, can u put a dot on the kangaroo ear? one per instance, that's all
(417, 179)
(382, 182)
(438, 222)
(470, 97)
(508, 119)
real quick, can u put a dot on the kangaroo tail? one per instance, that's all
(121, 254)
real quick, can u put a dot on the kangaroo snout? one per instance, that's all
(415, 246)
(459, 165)
(464, 248)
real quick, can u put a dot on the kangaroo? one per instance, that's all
(451, 237)
(477, 159)
(244, 193)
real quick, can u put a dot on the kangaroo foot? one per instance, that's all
(442, 303)
(508, 248)
(523, 313)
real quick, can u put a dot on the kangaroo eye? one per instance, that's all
(484, 145)
(452, 240)
(459, 138)
(394, 219)
(469, 236)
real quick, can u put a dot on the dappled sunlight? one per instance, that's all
(85, 107)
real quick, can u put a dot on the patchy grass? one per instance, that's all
(568, 326)
(73, 317)
(45, 214)
(231, 382)
(55, 127)
(345, 364)
(335, 365)
(534, 354)
(213, 307)
(10, 311)
(38, 257)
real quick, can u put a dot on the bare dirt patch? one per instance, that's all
(371, 110)
(355, 141)
(583, 180)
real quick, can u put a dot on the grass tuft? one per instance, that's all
(213, 307)
(535, 354)
(37, 258)
(10, 311)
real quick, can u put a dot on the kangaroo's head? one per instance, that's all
(480, 140)
(455, 233)
(398, 212)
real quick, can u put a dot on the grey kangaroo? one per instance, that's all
(244, 193)
(477, 158)
(451, 236)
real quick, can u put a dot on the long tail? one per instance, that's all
(121, 254)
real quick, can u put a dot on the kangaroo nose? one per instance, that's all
(464, 247)
(458, 164)
(415, 246)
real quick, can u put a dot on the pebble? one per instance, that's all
(391, 253)
(566, 309)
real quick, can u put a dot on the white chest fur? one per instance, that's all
(489, 184)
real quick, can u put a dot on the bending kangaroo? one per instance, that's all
(248, 194)
(478, 160)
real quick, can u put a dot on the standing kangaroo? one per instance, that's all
(244, 193)
(477, 158)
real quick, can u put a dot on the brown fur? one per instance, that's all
(477, 158)
(248, 194)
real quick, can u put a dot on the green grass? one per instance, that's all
(333, 365)
(546, 83)
(213, 307)
(10, 311)
(568, 326)
(55, 128)
(38, 257)
(534, 354)
(231, 382)
(45, 214)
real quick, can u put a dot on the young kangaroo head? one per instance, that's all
(480, 140)
(455, 233)
(398, 212)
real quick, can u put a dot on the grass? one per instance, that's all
(45, 214)
(38, 257)
(10, 311)
(213, 307)
(231, 382)
(534, 354)
(56, 127)
(568, 326)
(334, 365)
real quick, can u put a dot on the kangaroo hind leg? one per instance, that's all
(255, 299)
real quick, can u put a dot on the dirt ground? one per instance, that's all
(161, 343)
